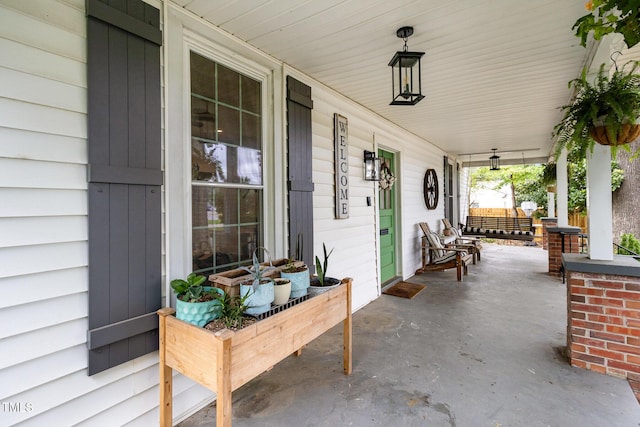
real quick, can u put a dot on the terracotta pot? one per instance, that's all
(626, 134)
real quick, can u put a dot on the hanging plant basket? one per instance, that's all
(626, 134)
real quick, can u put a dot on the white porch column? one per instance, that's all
(562, 190)
(551, 205)
(599, 207)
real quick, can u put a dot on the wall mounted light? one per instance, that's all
(406, 73)
(494, 161)
(371, 166)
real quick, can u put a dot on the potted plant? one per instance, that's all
(297, 274)
(258, 288)
(605, 111)
(232, 316)
(195, 303)
(299, 277)
(322, 283)
(282, 290)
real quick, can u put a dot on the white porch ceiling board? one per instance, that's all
(494, 74)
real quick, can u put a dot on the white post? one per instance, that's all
(599, 207)
(551, 205)
(562, 187)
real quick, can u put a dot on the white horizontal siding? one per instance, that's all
(20, 260)
(23, 144)
(20, 173)
(42, 286)
(40, 118)
(42, 370)
(20, 202)
(76, 397)
(353, 240)
(29, 59)
(42, 314)
(19, 349)
(45, 35)
(42, 91)
(24, 231)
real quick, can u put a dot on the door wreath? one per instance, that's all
(386, 178)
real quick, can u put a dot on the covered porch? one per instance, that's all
(486, 351)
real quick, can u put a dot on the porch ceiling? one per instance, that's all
(494, 72)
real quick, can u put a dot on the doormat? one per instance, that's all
(404, 290)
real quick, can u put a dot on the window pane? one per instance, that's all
(202, 76)
(249, 241)
(228, 86)
(208, 161)
(229, 125)
(226, 205)
(203, 118)
(250, 202)
(203, 251)
(249, 166)
(251, 98)
(226, 246)
(251, 132)
(201, 206)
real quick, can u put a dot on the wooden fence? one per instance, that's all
(575, 219)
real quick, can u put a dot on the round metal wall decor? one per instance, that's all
(430, 189)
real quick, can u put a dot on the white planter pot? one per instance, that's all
(282, 290)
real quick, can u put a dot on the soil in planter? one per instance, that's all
(218, 324)
(203, 298)
(295, 269)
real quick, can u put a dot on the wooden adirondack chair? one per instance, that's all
(437, 257)
(473, 243)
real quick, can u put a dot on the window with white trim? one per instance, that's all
(226, 166)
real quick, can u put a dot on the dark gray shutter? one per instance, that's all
(123, 62)
(299, 168)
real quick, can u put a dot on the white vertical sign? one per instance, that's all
(341, 143)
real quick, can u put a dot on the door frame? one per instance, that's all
(397, 160)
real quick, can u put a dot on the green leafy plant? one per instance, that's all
(610, 16)
(321, 269)
(258, 271)
(232, 309)
(291, 266)
(612, 101)
(191, 290)
(630, 245)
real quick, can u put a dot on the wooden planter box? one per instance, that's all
(225, 360)
(229, 281)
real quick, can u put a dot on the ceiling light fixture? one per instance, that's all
(406, 73)
(494, 161)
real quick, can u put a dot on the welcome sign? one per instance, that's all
(341, 149)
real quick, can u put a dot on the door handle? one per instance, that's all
(384, 231)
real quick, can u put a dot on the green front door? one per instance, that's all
(387, 222)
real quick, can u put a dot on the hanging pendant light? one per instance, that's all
(494, 161)
(406, 73)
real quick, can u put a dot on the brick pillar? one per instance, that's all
(547, 222)
(603, 323)
(556, 246)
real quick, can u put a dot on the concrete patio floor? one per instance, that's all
(484, 352)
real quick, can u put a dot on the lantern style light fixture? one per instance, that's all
(371, 166)
(528, 207)
(494, 161)
(406, 73)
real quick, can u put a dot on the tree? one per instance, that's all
(625, 200)
(529, 182)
